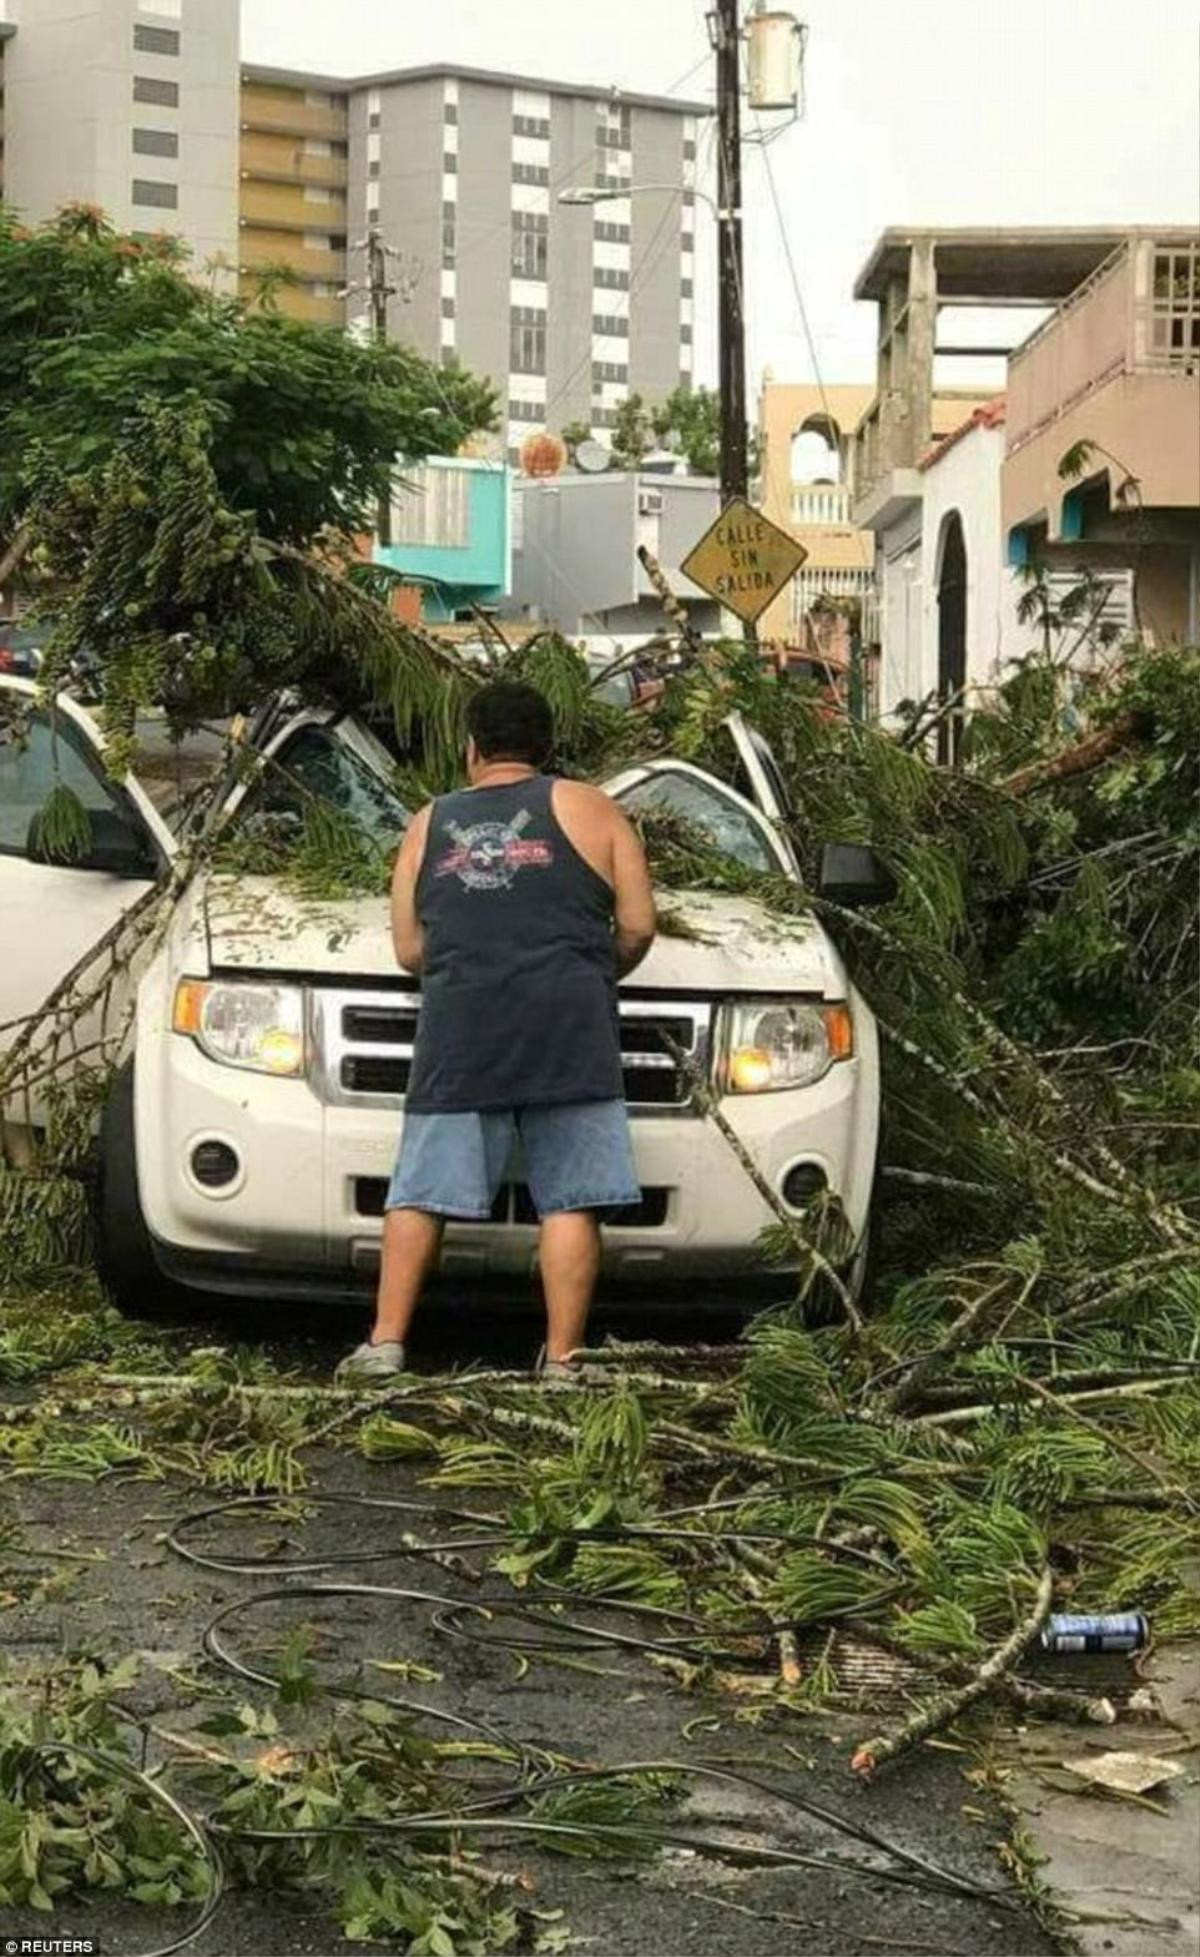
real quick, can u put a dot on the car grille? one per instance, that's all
(364, 1043)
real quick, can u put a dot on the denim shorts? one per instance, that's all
(577, 1156)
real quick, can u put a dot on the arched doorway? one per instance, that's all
(952, 640)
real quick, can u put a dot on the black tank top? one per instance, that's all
(519, 984)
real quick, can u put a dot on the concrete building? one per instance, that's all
(1117, 365)
(140, 106)
(961, 527)
(451, 536)
(918, 281)
(806, 440)
(122, 103)
(948, 599)
(565, 309)
(575, 543)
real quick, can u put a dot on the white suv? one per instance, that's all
(247, 1146)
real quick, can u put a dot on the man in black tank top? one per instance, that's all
(520, 900)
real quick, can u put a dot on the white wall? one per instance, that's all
(967, 479)
(900, 612)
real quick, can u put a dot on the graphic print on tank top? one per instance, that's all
(488, 855)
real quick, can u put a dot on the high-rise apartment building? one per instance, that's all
(567, 309)
(133, 107)
(141, 106)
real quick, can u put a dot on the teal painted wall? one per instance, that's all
(478, 572)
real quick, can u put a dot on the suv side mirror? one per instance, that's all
(853, 876)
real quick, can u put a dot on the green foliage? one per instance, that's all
(304, 422)
(688, 420)
(60, 831)
(70, 1825)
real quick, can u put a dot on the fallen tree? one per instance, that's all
(1006, 1422)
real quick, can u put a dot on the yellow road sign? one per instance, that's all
(744, 560)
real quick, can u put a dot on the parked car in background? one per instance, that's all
(20, 648)
(248, 1141)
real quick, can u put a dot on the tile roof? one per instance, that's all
(991, 415)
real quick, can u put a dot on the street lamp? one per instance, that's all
(594, 194)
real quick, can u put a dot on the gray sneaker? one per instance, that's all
(372, 1365)
(558, 1373)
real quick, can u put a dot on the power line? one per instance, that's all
(801, 308)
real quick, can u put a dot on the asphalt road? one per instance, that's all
(134, 1594)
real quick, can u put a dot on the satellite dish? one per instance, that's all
(592, 457)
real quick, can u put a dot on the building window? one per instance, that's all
(373, 168)
(450, 163)
(530, 173)
(447, 308)
(531, 126)
(527, 411)
(527, 340)
(612, 276)
(147, 88)
(374, 119)
(605, 180)
(155, 40)
(155, 142)
(612, 234)
(433, 510)
(450, 114)
(609, 370)
(689, 149)
(448, 237)
(685, 336)
(685, 288)
(610, 325)
(165, 196)
(1175, 306)
(530, 240)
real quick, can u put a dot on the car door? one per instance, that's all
(55, 911)
(730, 820)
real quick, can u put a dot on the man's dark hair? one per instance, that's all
(509, 721)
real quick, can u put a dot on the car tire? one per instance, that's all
(124, 1250)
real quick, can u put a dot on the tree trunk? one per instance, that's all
(1073, 760)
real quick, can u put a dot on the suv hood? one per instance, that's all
(707, 942)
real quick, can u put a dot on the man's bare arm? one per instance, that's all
(636, 918)
(407, 934)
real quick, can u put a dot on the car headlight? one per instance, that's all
(774, 1043)
(260, 1027)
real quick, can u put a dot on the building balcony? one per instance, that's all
(284, 159)
(287, 112)
(264, 249)
(292, 207)
(1116, 367)
(1139, 313)
(299, 302)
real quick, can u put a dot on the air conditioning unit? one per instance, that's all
(650, 502)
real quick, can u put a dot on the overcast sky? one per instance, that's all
(934, 112)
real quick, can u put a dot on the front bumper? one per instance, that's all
(302, 1214)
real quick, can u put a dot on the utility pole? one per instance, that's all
(724, 34)
(380, 292)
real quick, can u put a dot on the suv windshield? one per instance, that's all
(315, 762)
